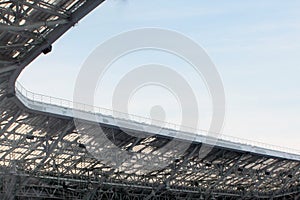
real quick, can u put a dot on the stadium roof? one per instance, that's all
(29, 27)
(42, 156)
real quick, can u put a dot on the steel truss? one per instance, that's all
(41, 156)
(29, 27)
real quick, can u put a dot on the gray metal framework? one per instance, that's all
(41, 156)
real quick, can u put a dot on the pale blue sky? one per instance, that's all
(255, 46)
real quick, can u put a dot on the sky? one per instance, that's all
(255, 46)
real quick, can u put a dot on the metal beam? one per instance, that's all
(82, 11)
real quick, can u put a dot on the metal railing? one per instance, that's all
(45, 99)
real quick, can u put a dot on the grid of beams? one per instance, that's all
(25, 24)
(29, 27)
(44, 157)
(41, 155)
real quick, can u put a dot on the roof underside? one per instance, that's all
(48, 149)
(29, 27)
(41, 155)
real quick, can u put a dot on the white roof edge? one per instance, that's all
(237, 144)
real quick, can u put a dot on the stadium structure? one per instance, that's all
(41, 156)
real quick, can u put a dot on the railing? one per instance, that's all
(44, 99)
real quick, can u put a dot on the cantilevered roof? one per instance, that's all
(41, 155)
(29, 27)
(44, 150)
